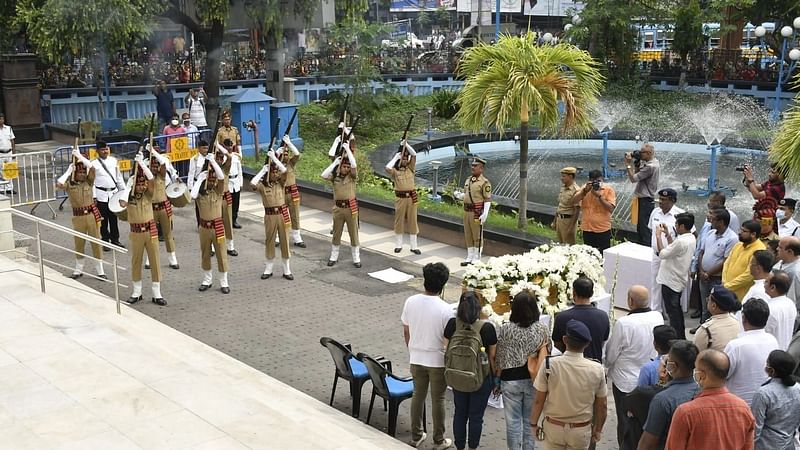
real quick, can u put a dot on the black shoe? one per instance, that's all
(213, 253)
(416, 251)
(233, 253)
(147, 266)
(118, 244)
(204, 287)
(357, 265)
(160, 301)
(225, 290)
(696, 314)
(277, 244)
(103, 276)
(161, 239)
(174, 266)
(397, 249)
(331, 263)
(236, 225)
(694, 330)
(133, 300)
(465, 263)
(75, 276)
(106, 249)
(288, 277)
(266, 276)
(300, 244)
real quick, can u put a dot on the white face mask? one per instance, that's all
(780, 214)
(174, 122)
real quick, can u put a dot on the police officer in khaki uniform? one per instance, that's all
(225, 161)
(78, 182)
(567, 211)
(144, 235)
(229, 132)
(477, 201)
(401, 168)
(343, 174)
(289, 157)
(162, 208)
(722, 327)
(269, 183)
(209, 200)
(570, 391)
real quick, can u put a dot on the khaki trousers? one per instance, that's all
(141, 242)
(405, 216)
(207, 238)
(294, 211)
(343, 216)
(472, 229)
(86, 224)
(227, 220)
(274, 224)
(165, 222)
(423, 377)
(566, 438)
(565, 230)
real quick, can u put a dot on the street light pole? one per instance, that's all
(787, 32)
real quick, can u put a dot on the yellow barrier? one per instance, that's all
(181, 155)
(10, 170)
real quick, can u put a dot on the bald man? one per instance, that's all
(629, 348)
(715, 415)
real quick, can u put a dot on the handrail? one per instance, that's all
(60, 228)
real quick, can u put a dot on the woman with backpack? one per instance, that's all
(522, 346)
(469, 359)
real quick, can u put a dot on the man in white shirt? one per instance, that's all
(674, 269)
(787, 226)
(195, 102)
(629, 348)
(235, 183)
(664, 214)
(748, 353)
(192, 132)
(424, 318)
(782, 311)
(789, 262)
(760, 267)
(195, 169)
(7, 148)
(107, 180)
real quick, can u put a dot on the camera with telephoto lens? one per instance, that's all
(637, 157)
(596, 185)
(249, 125)
(740, 168)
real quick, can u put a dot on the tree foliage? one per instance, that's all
(688, 29)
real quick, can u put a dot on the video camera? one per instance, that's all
(596, 185)
(637, 157)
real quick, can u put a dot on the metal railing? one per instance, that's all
(39, 223)
(27, 178)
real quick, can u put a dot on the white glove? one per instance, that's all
(82, 159)
(239, 149)
(163, 160)
(410, 149)
(139, 157)
(146, 170)
(458, 195)
(217, 169)
(390, 164)
(328, 172)
(485, 213)
(255, 180)
(291, 146)
(350, 156)
(209, 157)
(222, 148)
(335, 146)
(198, 184)
(276, 161)
(63, 178)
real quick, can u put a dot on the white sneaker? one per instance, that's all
(416, 443)
(446, 443)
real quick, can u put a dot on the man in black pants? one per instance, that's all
(107, 180)
(644, 172)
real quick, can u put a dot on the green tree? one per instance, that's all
(688, 35)
(785, 148)
(507, 83)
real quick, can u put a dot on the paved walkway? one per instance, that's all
(274, 325)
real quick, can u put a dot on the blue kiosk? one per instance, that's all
(252, 104)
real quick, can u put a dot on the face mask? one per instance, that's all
(780, 214)
(175, 122)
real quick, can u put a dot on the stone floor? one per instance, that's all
(274, 325)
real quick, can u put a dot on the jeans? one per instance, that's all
(642, 218)
(469, 407)
(705, 291)
(423, 377)
(517, 405)
(109, 228)
(600, 241)
(672, 306)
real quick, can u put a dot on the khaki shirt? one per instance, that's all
(721, 328)
(231, 133)
(81, 193)
(477, 190)
(565, 196)
(572, 387)
(159, 188)
(271, 196)
(210, 203)
(404, 177)
(344, 188)
(140, 210)
(289, 160)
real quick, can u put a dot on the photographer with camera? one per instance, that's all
(774, 186)
(643, 168)
(597, 202)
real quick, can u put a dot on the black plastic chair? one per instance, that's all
(390, 388)
(347, 367)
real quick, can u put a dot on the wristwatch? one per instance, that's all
(628, 166)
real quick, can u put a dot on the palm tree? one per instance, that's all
(785, 148)
(515, 78)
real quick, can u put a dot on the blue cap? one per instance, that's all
(578, 330)
(725, 299)
(669, 193)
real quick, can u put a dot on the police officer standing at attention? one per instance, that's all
(477, 201)
(401, 168)
(228, 131)
(567, 212)
(570, 391)
(107, 180)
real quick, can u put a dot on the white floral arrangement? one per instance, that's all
(537, 271)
